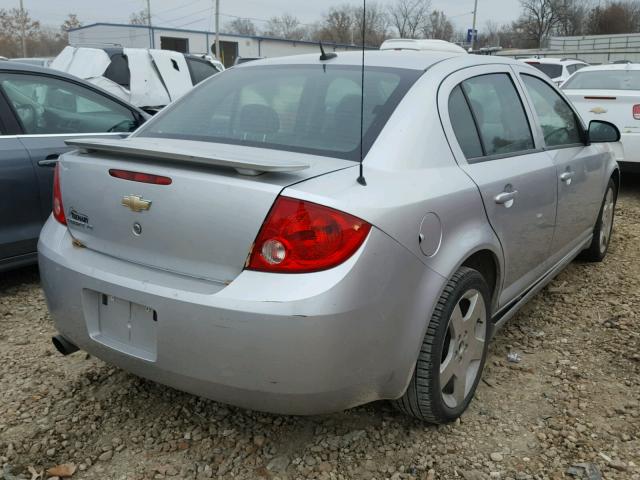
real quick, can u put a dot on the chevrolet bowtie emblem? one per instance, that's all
(136, 203)
(598, 110)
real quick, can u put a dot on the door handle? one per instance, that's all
(506, 198)
(566, 177)
(49, 161)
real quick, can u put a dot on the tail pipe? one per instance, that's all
(64, 346)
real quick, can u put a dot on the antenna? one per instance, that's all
(326, 56)
(361, 179)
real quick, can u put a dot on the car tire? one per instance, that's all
(455, 343)
(603, 228)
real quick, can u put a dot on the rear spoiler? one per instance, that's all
(200, 153)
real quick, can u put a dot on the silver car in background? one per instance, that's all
(228, 249)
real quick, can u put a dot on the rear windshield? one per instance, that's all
(302, 108)
(551, 70)
(604, 80)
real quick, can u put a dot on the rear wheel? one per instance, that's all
(453, 351)
(604, 227)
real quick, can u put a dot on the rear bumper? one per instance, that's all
(293, 344)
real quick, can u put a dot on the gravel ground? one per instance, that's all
(573, 399)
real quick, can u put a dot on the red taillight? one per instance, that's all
(636, 112)
(301, 237)
(58, 208)
(140, 177)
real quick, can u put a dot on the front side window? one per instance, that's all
(301, 108)
(499, 115)
(559, 124)
(49, 105)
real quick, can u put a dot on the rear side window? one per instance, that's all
(118, 70)
(498, 113)
(604, 80)
(463, 124)
(200, 70)
(559, 124)
(552, 70)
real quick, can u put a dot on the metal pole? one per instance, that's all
(218, 55)
(473, 27)
(23, 40)
(151, 39)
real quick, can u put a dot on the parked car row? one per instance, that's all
(321, 243)
(147, 78)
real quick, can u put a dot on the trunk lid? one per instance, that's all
(202, 224)
(615, 106)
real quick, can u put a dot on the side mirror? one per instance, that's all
(603, 132)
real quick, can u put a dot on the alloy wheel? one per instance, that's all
(463, 348)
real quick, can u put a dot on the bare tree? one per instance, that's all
(539, 18)
(12, 23)
(285, 26)
(241, 26)
(439, 26)
(376, 25)
(409, 17)
(139, 18)
(70, 22)
(615, 17)
(573, 17)
(338, 25)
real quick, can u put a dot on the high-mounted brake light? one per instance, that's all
(636, 112)
(58, 208)
(301, 237)
(140, 177)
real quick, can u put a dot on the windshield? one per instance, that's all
(604, 80)
(552, 70)
(302, 108)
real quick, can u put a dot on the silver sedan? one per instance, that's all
(232, 248)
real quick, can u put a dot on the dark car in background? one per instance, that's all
(40, 108)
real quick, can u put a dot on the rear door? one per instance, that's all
(493, 142)
(579, 168)
(19, 196)
(50, 110)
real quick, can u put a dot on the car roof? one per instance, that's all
(429, 44)
(611, 66)
(558, 61)
(14, 66)
(407, 59)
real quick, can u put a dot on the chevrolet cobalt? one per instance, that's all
(255, 243)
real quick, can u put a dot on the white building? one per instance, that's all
(193, 41)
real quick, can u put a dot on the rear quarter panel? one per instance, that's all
(410, 172)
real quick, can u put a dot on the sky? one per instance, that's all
(197, 14)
